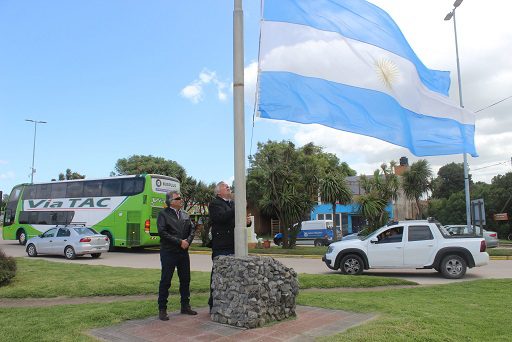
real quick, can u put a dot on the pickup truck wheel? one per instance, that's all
(351, 264)
(453, 267)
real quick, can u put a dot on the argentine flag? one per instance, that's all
(345, 64)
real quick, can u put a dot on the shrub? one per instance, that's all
(7, 268)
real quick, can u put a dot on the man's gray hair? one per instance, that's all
(217, 188)
(172, 192)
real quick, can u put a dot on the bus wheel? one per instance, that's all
(69, 253)
(319, 243)
(110, 240)
(22, 237)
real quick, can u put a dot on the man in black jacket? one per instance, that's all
(176, 234)
(222, 217)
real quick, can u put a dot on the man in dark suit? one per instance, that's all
(222, 218)
(176, 234)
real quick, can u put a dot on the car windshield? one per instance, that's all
(84, 231)
(369, 235)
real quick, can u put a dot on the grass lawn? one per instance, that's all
(45, 279)
(466, 311)
(499, 251)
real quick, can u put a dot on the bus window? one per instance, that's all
(44, 217)
(133, 186)
(59, 190)
(111, 187)
(29, 192)
(92, 189)
(43, 190)
(33, 217)
(75, 189)
(23, 219)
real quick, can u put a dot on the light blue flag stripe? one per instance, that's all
(358, 20)
(307, 100)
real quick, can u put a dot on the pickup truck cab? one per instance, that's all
(416, 244)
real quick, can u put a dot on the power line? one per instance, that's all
(494, 104)
(485, 167)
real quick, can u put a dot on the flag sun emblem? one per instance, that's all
(387, 71)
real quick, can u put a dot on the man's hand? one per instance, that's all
(248, 220)
(184, 244)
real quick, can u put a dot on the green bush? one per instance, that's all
(7, 268)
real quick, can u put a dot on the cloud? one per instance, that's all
(250, 80)
(7, 175)
(194, 92)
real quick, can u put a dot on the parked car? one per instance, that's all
(69, 241)
(491, 238)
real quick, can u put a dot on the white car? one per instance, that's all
(69, 241)
(408, 244)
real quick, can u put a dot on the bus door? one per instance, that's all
(131, 220)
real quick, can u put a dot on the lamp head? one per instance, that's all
(448, 16)
(457, 3)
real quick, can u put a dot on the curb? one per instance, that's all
(501, 257)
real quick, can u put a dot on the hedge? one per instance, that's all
(7, 268)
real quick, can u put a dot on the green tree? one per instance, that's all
(70, 175)
(139, 164)
(3, 202)
(284, 181)
(379, 190)
(417, 181)
(333, 189)
(450, 179)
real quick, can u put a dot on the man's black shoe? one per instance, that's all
(162, 315)
(187, 310)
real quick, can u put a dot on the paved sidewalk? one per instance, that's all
(310, 323)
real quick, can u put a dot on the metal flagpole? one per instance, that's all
(239, 127)
(466, 171)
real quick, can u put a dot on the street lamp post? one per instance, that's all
(34, 148)
(449, 16)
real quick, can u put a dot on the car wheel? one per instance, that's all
(318, 243)
(31, 250)
(352, 264)
(453, 267)
(110, 241)
(95, 255)
(69, 252)
(22, 237)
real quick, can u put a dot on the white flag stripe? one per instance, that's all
(310, 52)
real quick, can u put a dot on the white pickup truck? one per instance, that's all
(408, 244)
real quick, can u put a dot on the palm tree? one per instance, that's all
(417, 181)
(334, 188)
(378, 191)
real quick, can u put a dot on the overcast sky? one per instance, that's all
(122, 77)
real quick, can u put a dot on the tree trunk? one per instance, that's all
(334, 230)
